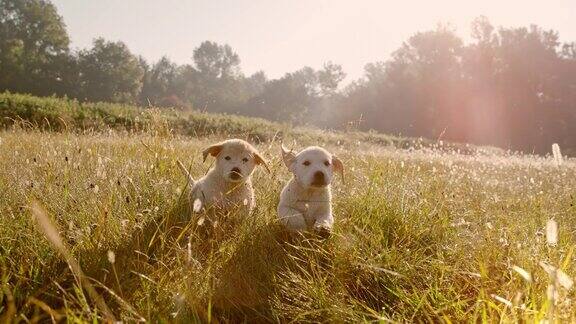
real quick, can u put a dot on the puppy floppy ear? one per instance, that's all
(260, 160)
(288, 157)
(213, 150)
(338, 166)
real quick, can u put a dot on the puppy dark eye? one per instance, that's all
(306, 163)
(245, 160)
(327, 163)
(227, 158)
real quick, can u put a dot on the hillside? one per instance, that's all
(61, 114)
(423, 232)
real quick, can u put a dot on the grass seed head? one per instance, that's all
(557, 155)
(551, 232)
(523, 273)
(111, 256)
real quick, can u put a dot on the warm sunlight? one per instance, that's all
(287, 161)
(280, 36)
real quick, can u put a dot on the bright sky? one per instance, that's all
(279, 36)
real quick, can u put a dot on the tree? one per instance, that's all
(418, 90)
(510, 87)
(215, 81)
(329, 78)
(216, 61)
(255, 84)
(34, 53)
(109, 72)
(533, 88)
(289, 98)
(159, 84)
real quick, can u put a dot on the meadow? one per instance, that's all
(425, 230)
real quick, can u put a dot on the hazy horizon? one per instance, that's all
(283, 36)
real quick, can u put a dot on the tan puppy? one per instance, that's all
(228, 185)
(305, 201)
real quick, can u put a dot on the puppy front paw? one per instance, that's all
(323, 231)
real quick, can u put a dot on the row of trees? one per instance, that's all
(511, 87)
(35, 57)
(214, 82)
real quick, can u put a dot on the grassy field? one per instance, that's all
(423, 232)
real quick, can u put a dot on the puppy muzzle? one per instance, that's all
(235, 174)
(319, 179)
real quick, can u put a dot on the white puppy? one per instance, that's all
(228, 185)
(305, 202)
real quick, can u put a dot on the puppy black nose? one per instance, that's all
(319, 179)
(235, 173)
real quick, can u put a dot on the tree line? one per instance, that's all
(510, 87)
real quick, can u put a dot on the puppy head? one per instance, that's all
(313, 167)
(235, 159)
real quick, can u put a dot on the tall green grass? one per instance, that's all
(420, 234)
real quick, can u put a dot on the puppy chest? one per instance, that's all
(311, 207)
(229, 198)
